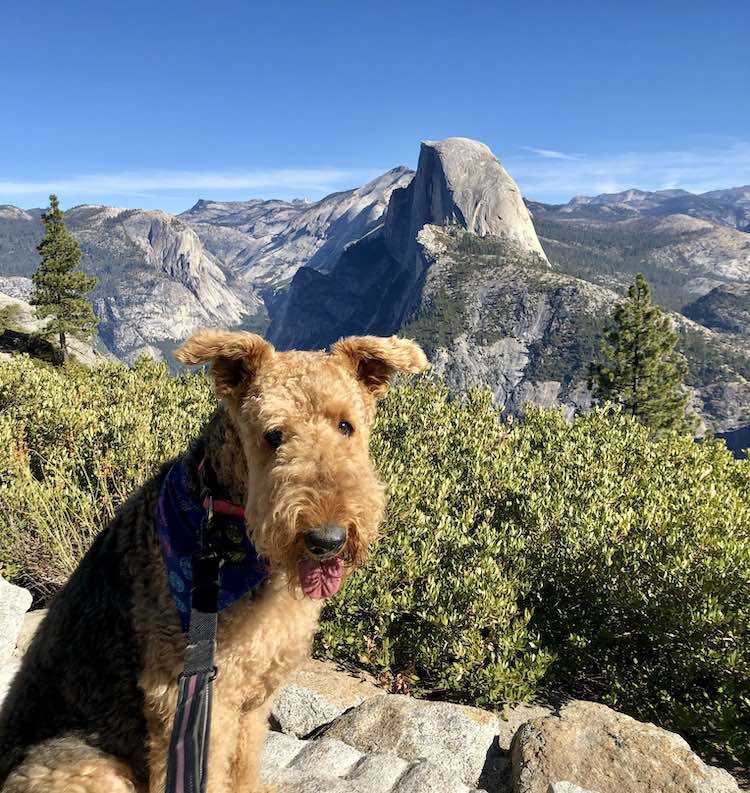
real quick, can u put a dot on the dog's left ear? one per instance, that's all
(375, 360)
(235, 357)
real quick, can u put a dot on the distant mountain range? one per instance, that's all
(729, 208)
(501, 292)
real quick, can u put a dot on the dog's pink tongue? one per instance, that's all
(320, 579)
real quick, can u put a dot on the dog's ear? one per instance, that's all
(235, 357)
(375, 360)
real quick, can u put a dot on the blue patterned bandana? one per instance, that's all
(178, 520)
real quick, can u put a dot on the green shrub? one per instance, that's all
(74, 443)
(558, 558)
(642, 560)
(517, 559)
(438, 601)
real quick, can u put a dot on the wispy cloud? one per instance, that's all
(550, 154)
(697, 170)
(148, 182)
(543, 174)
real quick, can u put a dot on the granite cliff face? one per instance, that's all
(156, 282)
(491, 313)
(375, 285)
(219, 264)
(459, 182)
(457, 264)
(23, 335)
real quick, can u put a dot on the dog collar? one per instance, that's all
(178, 521)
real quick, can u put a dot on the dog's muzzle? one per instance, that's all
(326, 541)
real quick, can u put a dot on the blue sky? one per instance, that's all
(159, 104)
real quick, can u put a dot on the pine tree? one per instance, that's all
(642, 372)
(60, 288)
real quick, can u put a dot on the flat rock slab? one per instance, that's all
(15, 601)
(330, 765)
(339, 733)
(462, 741)
(318, 693)
(598, 749)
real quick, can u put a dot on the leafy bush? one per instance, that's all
(517, 559)
(559, 558)
(642, 559)
(438, 604)
(74, 443)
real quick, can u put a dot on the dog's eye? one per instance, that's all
(274, 438)
(345, 428)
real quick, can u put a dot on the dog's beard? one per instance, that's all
(293, 510)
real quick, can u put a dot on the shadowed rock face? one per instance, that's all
(369, 292)
(724, 308)
(265, 242)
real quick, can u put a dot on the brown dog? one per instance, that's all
(92, 707)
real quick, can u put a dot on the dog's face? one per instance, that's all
(314, 502)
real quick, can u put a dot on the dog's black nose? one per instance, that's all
(326, 540)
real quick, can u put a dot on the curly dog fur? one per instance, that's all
(91, 709)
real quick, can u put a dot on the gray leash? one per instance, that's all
(187, 762)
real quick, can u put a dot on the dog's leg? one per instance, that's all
(224, 729)
(69, 765)
(158, 747)
(246, 765)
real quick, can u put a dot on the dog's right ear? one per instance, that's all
(235, 357)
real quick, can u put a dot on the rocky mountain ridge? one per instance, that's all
(218, 264)
(725, 308)
(449, 254)
(462, 270)
(729, 208)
